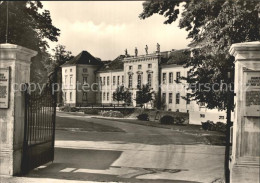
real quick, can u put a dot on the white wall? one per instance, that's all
(108, 88)
(68, 87)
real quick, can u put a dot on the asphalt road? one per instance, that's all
(89, 149)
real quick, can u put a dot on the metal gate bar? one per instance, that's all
(39, 128)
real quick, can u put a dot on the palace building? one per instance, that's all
(88, 80)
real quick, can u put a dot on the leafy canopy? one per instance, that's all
(30, 26)
(213, 26)
(144, 95)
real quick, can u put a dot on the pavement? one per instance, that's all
(97, 150)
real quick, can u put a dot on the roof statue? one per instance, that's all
(126, 52)
(136, 51)
(158, 47)
(146, 50)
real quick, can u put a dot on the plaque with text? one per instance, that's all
(252, 93)
(4, 87)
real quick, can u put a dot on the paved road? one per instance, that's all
(89, 149)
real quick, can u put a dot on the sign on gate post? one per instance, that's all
(4, 87)
(252, 95)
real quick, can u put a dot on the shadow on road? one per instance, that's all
(87, 165)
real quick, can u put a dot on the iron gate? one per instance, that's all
(39, 128)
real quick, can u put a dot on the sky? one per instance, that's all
(106, 29)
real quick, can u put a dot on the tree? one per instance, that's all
(213, 26)
(29, 25)
(144, 95)
(60, 57)
(118, 95)
(127, 97)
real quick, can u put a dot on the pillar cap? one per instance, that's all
(248, 51)
(11, 51)
(246, 46)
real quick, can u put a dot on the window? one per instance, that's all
(118, 80)
(170, 98)
(149, 66)
(188, 98)
(85, 96)
(85, 80)
(177, 98)
(104, 80)
(65, 70)
(164, 78)
(65, 96)
(104, 96)
(107, 80)
(178, 75)
(66, 79)
(130, 81)
(85, 70)
(107, 95)
(170, 77)
(123, 80)
(149, 79)
(164, 97)
(70, 70)
(100, 80)
(100, 96)
(221, 117)
(130, 67)
(70, 95)
(70, 80)
(139, 80)
(139, 66)
(202, 115)
(114, 80)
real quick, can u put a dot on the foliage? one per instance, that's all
(167, 120)
(213, 26)
(211, 126)
(60, 57)
(29, 26)
(118, 95)
(116, 114)
(143, 117)
(122, 94)
(127, 97)
(144, 95)
(68, 108)
(91, 111)
(179, 120)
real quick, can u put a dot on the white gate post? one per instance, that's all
(246, 130)
(14, 70)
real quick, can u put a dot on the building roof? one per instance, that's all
(116, 64)
(178, 57)
(84, 58)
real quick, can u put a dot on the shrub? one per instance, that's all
(127, 112)
(167, 120)
(74, 109)
(209, 125)
(91, 111)
(220, 126)
(143, 117)
(117, 114)
(65, 108)
(179, 120)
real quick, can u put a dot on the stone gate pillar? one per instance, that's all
(245, 159)
(14, 70)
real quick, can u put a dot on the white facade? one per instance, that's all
(133, 71)
(108, 82)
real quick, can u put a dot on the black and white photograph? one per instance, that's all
(152, 91)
